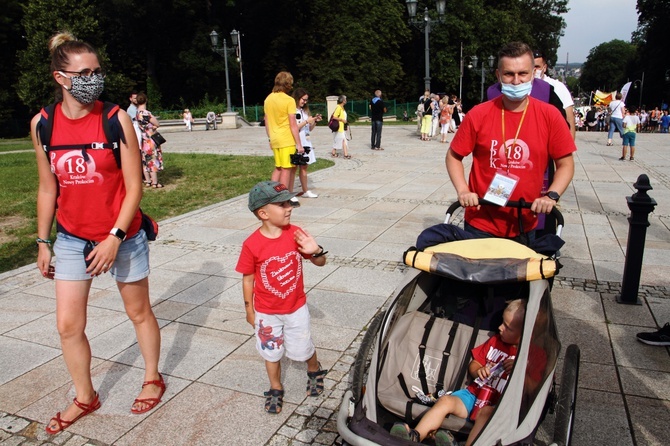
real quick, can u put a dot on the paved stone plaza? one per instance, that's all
(370, 209)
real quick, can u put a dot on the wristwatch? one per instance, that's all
(553, 195)
(118, 233)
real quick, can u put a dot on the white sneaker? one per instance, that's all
(310, 194)
(294, 202)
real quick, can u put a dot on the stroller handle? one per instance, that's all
(560, 221)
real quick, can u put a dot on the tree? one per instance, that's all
(11, 32)
(653, 58)
(607, 65)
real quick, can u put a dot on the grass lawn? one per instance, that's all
(191, 181)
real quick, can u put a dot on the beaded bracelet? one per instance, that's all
(41, 240)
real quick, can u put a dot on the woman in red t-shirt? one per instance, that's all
(96, 205)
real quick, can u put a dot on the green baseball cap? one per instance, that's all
(267, 192)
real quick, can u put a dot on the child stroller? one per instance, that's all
(450, 301)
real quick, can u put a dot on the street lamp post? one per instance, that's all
(475, 59)
(214, 37)
(237, 43)
(425, 24)
(229, 118)
(639, 104)
(460, 80)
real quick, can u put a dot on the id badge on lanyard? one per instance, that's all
(501, 188)
(504, 182)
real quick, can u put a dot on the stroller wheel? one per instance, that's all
(359, 368)
(567, 397)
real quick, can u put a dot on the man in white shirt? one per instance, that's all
(132, 112)
(559, 88)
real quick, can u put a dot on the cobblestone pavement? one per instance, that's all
(369, 211)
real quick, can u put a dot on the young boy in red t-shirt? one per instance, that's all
(502, 347)
(274, 294)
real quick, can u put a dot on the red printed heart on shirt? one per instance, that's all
(280, 275)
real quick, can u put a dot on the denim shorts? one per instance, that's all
(131, 264)
(629, 139)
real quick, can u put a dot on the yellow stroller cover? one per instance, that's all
(485, 260)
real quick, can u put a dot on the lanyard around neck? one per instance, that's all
(523, 116)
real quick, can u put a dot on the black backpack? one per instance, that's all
(113, 132)
(110, 126)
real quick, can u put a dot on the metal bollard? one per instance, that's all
(640, 205)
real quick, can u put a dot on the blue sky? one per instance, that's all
(592, 22)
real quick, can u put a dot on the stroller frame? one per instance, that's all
(364, 417)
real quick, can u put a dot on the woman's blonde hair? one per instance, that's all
(62, 45)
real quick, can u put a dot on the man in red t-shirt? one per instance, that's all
(511, 139)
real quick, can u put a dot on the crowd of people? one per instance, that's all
(525, 135)
(438, 114)
(596, 118)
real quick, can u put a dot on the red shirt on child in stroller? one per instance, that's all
(495, 350)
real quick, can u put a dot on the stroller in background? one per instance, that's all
(451, 301)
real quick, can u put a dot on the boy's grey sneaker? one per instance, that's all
(660, 337)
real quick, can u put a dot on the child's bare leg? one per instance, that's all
(632, 152)
(482, 417)
(432, 420)
(312, 364)
(623, 152)
(274, 374)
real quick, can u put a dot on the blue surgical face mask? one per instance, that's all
(516, 92)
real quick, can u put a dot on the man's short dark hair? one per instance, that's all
(539, 54)
(514, 50)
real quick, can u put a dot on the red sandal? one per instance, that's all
(150, 402)
(64, 424)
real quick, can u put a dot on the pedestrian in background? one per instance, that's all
(188, 119)
(306, 123)
(445, 118)
(282, 129)
(152, 153)
(339, 139)
(377, 110)
(132, 112)
(616, 117)
(630, 124)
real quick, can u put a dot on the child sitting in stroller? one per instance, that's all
(500, 348)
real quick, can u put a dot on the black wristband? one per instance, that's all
(321, 254)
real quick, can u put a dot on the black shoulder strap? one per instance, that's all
(45, 126)
(112, 129)
(422, 353)
(445, 357)
(110, 126)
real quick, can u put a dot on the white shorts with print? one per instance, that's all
(277, 334)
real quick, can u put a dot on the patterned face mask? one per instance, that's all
(86, 89)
